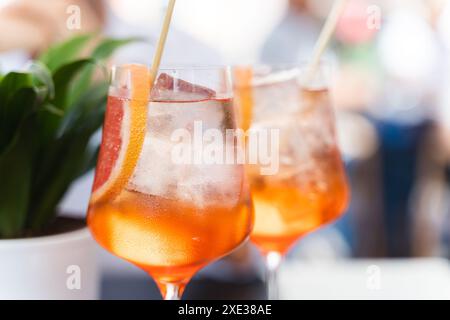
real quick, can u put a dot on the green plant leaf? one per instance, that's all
(21, 104)
(48, 119)
(42, 78)
(53, 111)
(65, 52)
(66, 158)
(63, 78)
(15, 177)
(103, 51)
(109, 45)
(48, 116)
(69, 155)
(13, 82)
(93, 98)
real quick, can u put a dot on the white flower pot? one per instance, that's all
(61, 266)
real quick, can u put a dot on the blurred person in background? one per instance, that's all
(434, 204)
(401, 66)
(398, 68)
(356, 87)
(412, 58)
(34, 25)
(27, 27)
(294, 37)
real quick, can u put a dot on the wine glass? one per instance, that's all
(160, 200)
(309, 188)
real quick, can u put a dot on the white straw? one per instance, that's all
(161, 42)
(324, 38)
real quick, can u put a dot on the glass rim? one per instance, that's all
(295, 70)
(173, 67)
(301, 64)
(221, 83)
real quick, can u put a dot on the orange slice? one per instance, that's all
(243, 77)
(123, 136)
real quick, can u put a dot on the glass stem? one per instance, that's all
(273, 261)
(172, 291)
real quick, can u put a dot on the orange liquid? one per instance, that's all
(169, 239)
(287, 208)
(295, 201)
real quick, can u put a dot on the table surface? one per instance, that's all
(367, 279)
(322, 279)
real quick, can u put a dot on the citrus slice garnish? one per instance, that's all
(243, 77)
(123, 136)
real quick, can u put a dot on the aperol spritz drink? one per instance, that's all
(309, 189)
(167, 216)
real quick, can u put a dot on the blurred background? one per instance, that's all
(392, 97)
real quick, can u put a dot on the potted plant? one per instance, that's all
(48, 114)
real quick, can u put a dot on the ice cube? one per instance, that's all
(274, 94)
(154, 172)
(192, 109)
(202, 185)
(165, 118)
(211, 185)
(292, 145)
(177, 104)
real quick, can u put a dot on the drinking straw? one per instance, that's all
(324, 38)
(161, 42)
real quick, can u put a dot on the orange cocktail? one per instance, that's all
(168, 217)
(309, 189)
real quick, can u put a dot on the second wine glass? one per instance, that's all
(309, 188)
